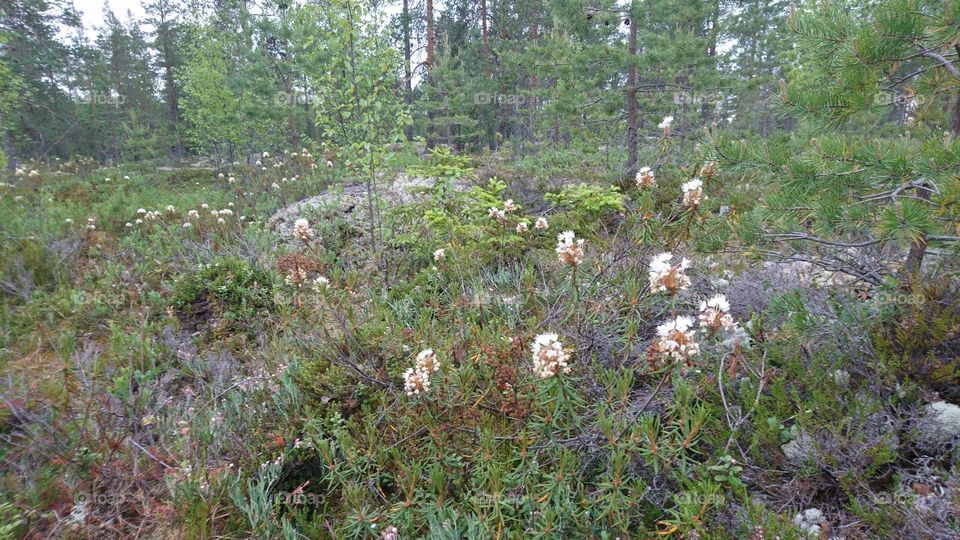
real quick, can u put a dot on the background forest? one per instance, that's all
(480, 269)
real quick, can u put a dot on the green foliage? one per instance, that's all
(214, 107)
(10, 521)
(227, 291)
(445, 166)
(29, 265)
(217, 401)
(356, 106)
(588, 201)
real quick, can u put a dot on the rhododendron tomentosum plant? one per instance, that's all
(715, 314)
(676, 341)
(416, 380)
(303, 231)
(569, 248)
(668, 277)
(645, 178)
(693, 193)
(549, 356)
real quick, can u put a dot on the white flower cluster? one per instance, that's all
(549, 356)
(569, 248)
(645, 178)
(668, 277)
(427, 362)
(541, 224)
(321, 284)
(665, 123)
(416, 380)
(296, 277)
(677, 340)
(693, 193)
(439, 255)
(522, 227)
(497, 214)
(715, 314)
(302, 230)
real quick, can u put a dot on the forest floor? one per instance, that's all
(179, 362)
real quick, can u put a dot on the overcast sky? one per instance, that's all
(93, 10)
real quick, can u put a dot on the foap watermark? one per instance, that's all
(906, 499)
(698, 98)
(486, 98)
(908, 102)
(97, 297)
(103, 98)
(297, 498)
(98, 498)
(897, 298)
(295, 98)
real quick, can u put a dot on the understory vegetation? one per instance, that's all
(415, 319)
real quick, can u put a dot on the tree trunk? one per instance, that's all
(632, 95)
(430, 42)
(534, 34)
(486, 39)
(115, 71)
(955, 121)
(291, 113)
(407, 71)
(714, 29)
(918, 248)
(172, 102)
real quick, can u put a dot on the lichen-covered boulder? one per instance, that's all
(349, 206)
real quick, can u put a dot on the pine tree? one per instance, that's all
(870, 185)
(168, 32)
(41, 63)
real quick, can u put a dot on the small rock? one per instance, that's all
(810, 521)
(945, 419)
(798, 450)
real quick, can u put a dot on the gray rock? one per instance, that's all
(810, 521)
(349, 203)
(799, 449)
(945, 422)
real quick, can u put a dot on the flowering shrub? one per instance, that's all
(676, 340)
(549, 357)
(577, 385)
(569, 248)
(667, 277)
